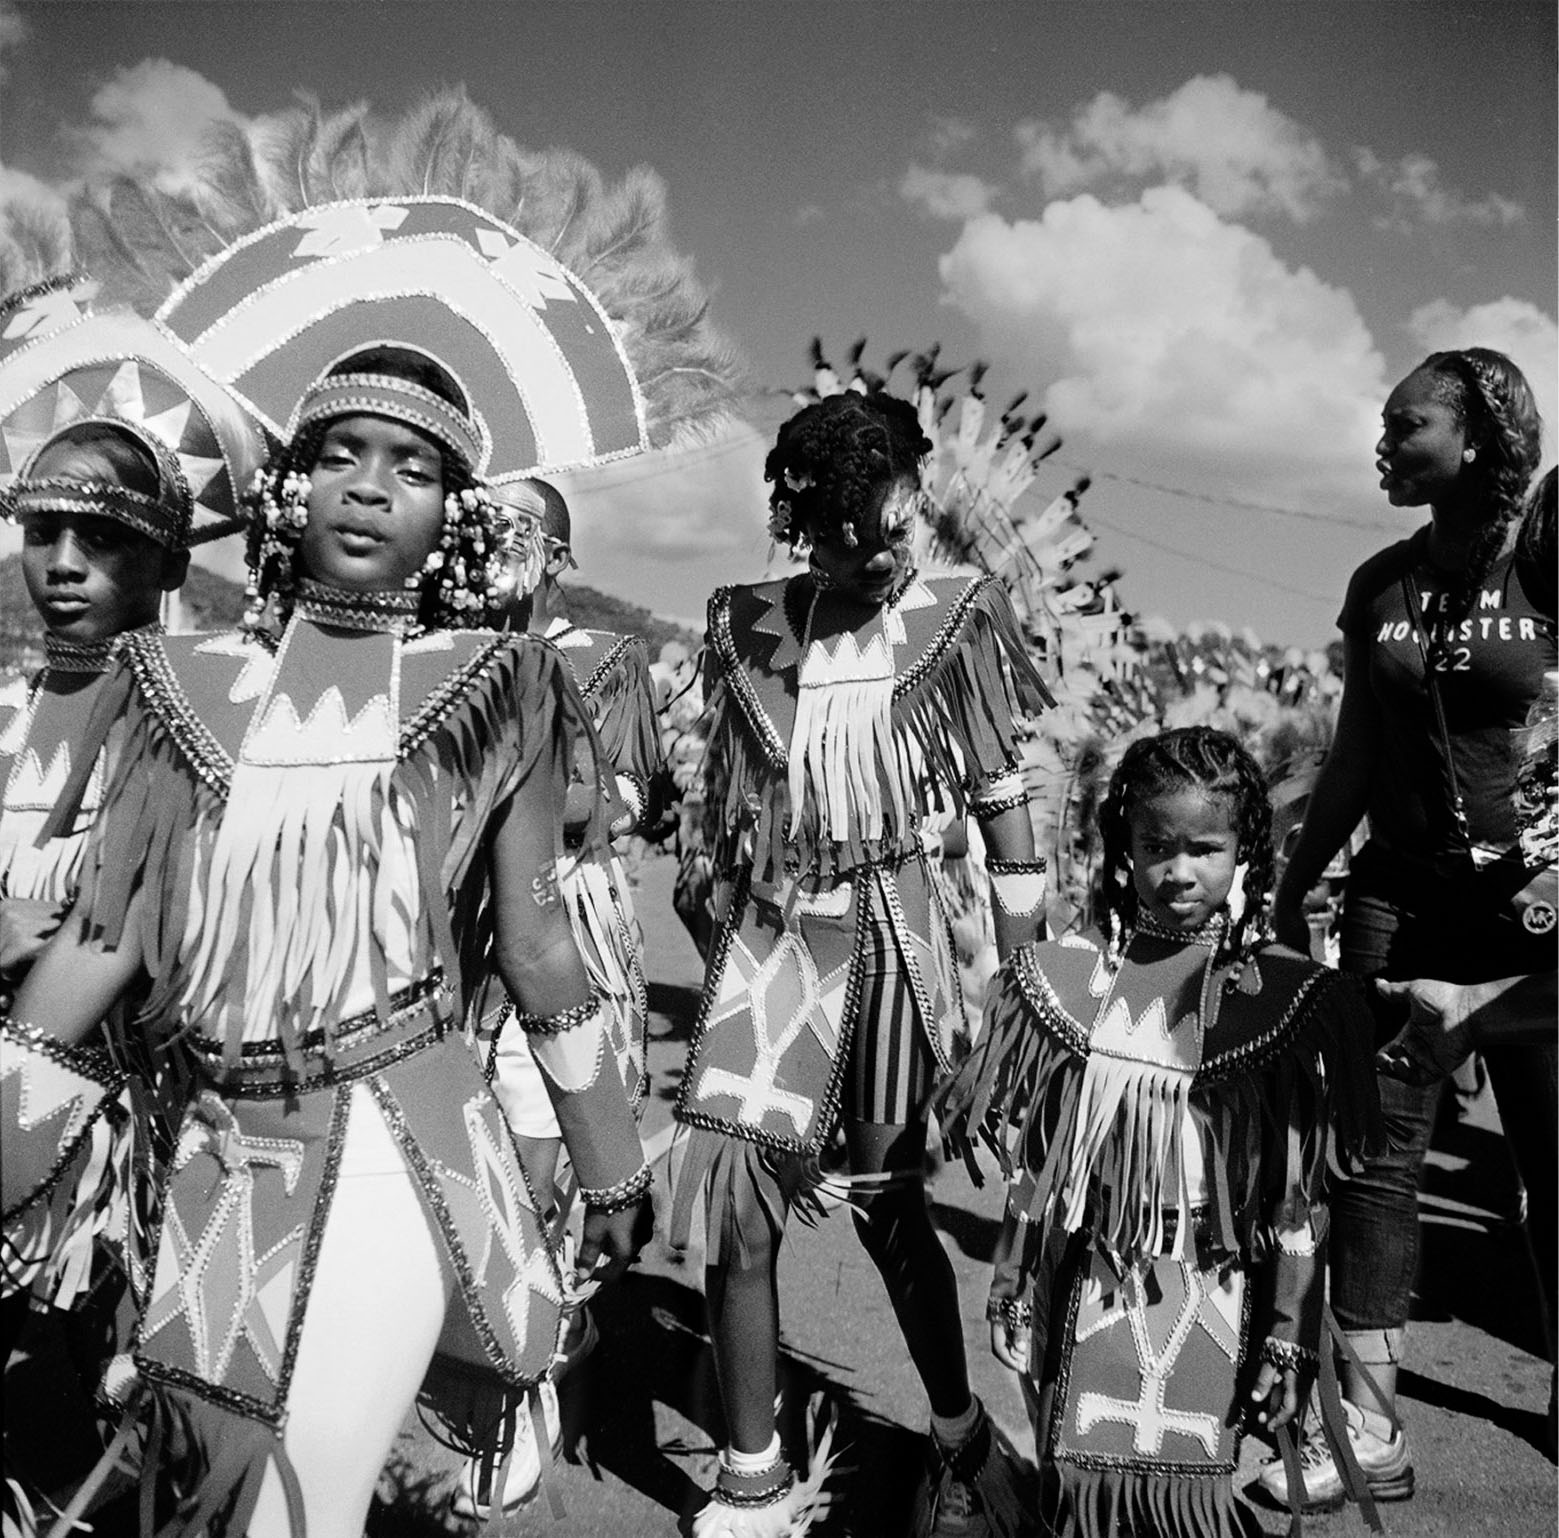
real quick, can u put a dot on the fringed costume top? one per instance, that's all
(305, 826)
(1168, 1126)
(836, 728)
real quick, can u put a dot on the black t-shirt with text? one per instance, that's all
(1489, 667)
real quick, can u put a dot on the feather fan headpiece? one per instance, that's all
(65, 365)
(544, 223)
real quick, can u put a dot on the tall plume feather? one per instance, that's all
(141, 242)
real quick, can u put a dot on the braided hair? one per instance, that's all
(1196, 758)
(272, 541)
(1493, 404)
(830, 459)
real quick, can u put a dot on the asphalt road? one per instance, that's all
(641, 1415)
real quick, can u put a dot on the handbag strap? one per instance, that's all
(1415, 617)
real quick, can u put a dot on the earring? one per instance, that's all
(1468, 455)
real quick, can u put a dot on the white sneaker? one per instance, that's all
(473, 1499)
(1384, 1460)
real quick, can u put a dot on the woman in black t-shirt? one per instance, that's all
(1466, 600)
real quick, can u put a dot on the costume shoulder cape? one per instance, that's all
(1087, 1099)
(613, 675)
(474, 714)
(918, 705)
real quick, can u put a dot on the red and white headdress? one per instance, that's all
(62, 365)
(545, 376)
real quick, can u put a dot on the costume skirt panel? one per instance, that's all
(1137, 1410)
(785, 1001)
(248, 1201)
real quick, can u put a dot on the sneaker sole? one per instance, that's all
(1394, 1487)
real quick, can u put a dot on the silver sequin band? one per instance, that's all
(101, 499)
(384, 395)
(620, 1197)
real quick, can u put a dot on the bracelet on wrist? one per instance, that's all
(1013, 1312)
(620, 1197)
(1288, 1355)
(563, 1020)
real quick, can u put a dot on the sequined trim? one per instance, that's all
(388, 395)
(345, 1036)
(62, 656)
(952, 623)
(985, 810)
(564, 1020)
(158, 682)
(102, 499)
(432, 1190)
(740, 685)
(626, 1193)
(392, 613)
(446, 697)
(604, 668)
(1288, 1355)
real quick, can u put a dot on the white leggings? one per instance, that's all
(374, 1318)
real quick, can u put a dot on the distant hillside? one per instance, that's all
(213, 603)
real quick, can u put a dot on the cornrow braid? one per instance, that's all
(1494, 404)
(829, 460)
(1214, 763)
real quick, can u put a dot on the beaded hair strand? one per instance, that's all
(1214, 763)
(1495, 405)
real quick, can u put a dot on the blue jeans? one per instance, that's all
(1402, 922)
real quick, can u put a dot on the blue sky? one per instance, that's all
(1208, 237)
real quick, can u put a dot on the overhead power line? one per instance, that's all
(1094, 520)
(1221, 501)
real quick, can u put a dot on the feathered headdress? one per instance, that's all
(143, 243)
(64, 365)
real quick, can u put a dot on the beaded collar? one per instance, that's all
(389, 612)
(1209, 934)
(62, 656)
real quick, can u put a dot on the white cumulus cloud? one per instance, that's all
(1236, 152)
(1515, 327)
(946, 194)
(150, 119)
(1178, 338)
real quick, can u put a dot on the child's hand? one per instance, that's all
(1010, 1344)
(1277, 1394)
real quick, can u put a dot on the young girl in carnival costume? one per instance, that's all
(111, 444)
(847, 704)
(1168, 1096)
(312, 847)
(612, 674)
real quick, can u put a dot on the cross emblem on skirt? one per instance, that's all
(1148, 1416)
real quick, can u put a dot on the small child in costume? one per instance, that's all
(1169, 1098)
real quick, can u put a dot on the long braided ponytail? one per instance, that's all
(1494, 403)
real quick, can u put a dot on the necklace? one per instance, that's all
(62, 656)
(1209, 934)
(392, 611)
